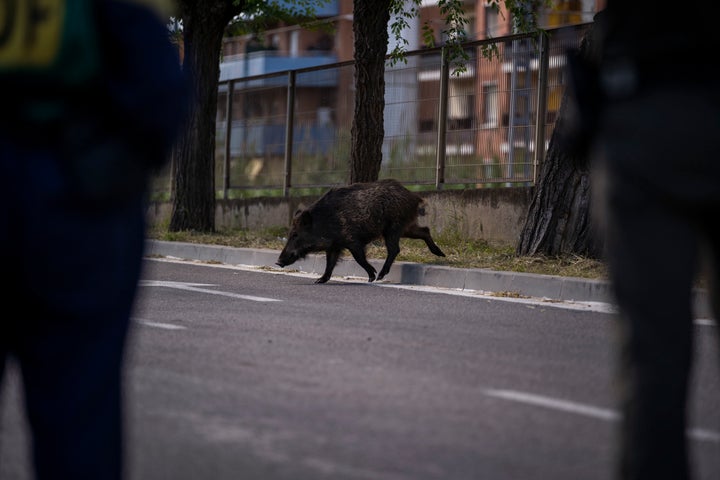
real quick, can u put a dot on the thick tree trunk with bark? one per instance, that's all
(370, 24)
(559, 219)
(204, 24)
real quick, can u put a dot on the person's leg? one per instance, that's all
(81, 267)
(661, 175)
(651, 256)
(713, 271)
(71, 373)
(3, 355)
(8, 197)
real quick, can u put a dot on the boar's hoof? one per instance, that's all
(322, 279)
(436, 250)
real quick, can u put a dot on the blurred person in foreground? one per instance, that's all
(649, 104)
(92, 95)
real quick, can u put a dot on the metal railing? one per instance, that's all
(288, 133)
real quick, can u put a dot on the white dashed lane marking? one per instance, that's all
(164, 326)
(195, 287)
(700, 434)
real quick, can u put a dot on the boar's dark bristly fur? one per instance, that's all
(352, 216)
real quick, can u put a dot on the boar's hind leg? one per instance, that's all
(331, 258)
(392, 243)
(423, 233)
(358, 253)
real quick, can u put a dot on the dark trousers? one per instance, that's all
(72, 266)
(658, 193)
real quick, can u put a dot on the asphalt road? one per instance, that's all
(237, 373)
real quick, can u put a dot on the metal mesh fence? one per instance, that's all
(290, 132)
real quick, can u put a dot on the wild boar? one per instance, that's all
(352, 216)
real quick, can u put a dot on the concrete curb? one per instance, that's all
(478, 279)
(551, 287)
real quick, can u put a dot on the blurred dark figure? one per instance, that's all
(82, 128)
(650, 107)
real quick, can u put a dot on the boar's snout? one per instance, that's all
(286, 259)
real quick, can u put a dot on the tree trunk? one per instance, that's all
(559, 219)
(370, 24)
(194, 180)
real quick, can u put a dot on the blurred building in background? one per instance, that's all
(491, 111)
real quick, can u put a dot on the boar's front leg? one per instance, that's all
(358, 253)
(331, 258)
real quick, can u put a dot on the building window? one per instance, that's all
(427, 125)
(490, 105)
(563, 12)
(492, 21)
(461, 102)
(295, 43)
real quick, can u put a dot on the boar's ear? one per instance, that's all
(299, 210)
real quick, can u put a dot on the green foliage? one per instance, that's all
(406, 166)
(272, 237)
(259, 15)
(400, 22)
(455, 23)
(428, 35)
(524, 14)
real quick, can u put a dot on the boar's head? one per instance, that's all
(301, 239)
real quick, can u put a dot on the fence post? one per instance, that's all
(442, 121)
(289, 124)
(541, 108)
(228, 129)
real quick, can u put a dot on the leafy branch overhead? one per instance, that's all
(454, 31)
(524, 14)
(258, 16)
